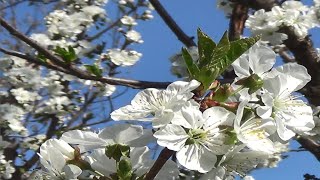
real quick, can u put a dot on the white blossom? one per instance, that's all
(140, 161)
(54, 155)
(123, 57)
(134, 36)
(196, 137)
(159, 103)
(291, 114)
(128, 20)
(254, 132)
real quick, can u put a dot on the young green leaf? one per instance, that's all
(192, 67)
(205, 47)
(68, 55)
(94, 69)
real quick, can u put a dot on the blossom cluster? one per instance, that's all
(294, 14)
(229, 130)
(6, 168)
(95, 154)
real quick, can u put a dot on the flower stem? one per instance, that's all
(162, 159)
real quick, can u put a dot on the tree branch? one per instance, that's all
(31, 43)
(162, 159)
(237, 20)
(310, 145)
(84, 75)
(182, 36)
(60, 65)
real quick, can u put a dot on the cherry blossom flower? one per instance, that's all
(159, 103)
(196, 137)
(291, 114)
(139, 159)
(54, 155)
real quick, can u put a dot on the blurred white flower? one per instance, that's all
(134, 36)
(128, 20)
(123, 57)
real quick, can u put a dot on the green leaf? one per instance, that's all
(219, 62)
(192, 67)
(94, 69)
(206, 77)
(227, 52)
(205, 47)
(240, 46)
(42, 57)
(68, 55)
(116, 151)
(214, 59)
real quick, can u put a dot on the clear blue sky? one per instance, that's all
(160, 43)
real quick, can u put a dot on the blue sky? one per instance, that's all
(160, 43)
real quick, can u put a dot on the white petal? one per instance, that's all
(263, 145)
(171, 136)
(56, 159)
(261, 59)
(142, 105)
(283, 132)
(184, 88)
(102, 163)
(264, 111)
(163, 117)
(281, 85)
(216, 143)
(121, 133)
(85, 139)
(72, 171)
(138, 156)
(241, 66)
(188, 117)
(195, 157)
(238, 118)
(298, 118)
(130, 112)
(216, 116)
(293, 69)
(146, 138)
(215, 174)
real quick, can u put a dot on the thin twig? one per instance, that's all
(32, 59)
(182, 36)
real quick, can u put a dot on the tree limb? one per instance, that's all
(238, 18)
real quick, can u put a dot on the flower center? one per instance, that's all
(196, 136)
